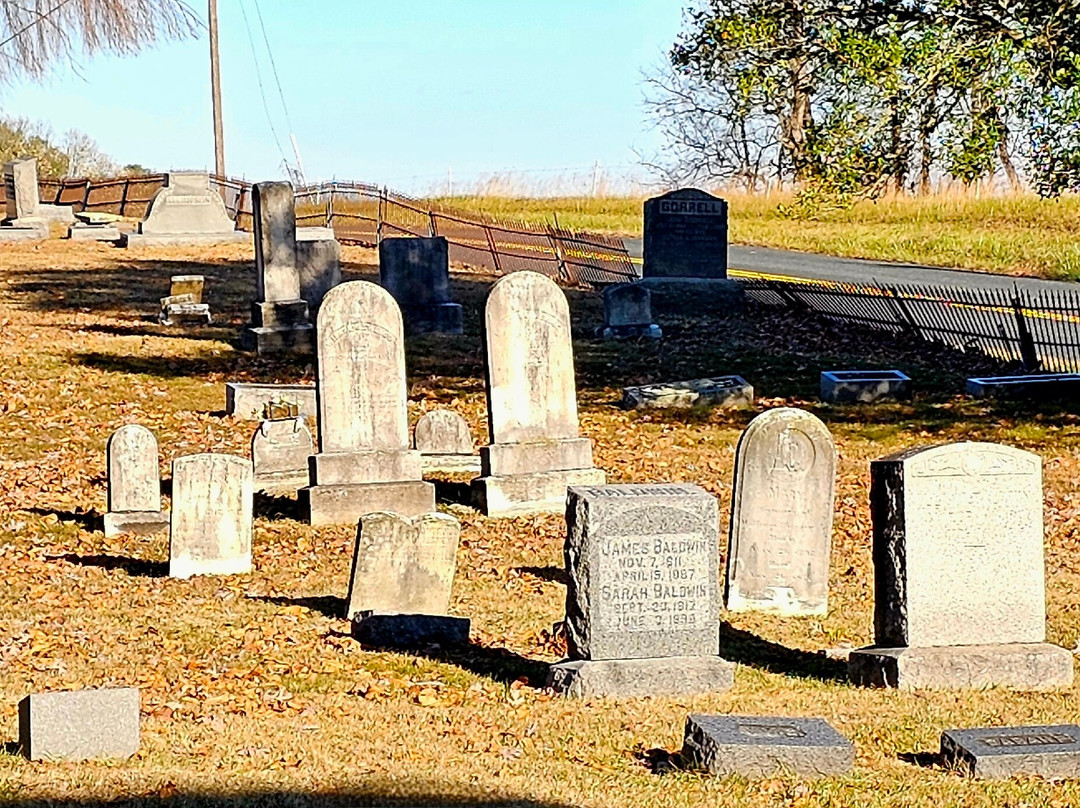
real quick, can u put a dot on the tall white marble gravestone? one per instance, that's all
(536, 451)
(364, 462)
(279, 316)
(782, 516)
(22, 220)
(643, 599)
(134, 483)
(186, 211)
(212, 504)
(416, 271)
(280, 449)
(959, 592)
(402, 574)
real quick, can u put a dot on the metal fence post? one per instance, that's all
(1029, 356)
(379, 217)
(494, 252)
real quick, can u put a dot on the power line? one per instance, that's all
(273, 65)
(258, 78)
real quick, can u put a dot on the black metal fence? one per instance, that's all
(1039, 330)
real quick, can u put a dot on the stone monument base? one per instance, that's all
(82, 231)
(507, 459)
(345, 504)
(451, 463)
(535, 492)
(1018, 666)
(64, 214)
(282, 483)
(298, 339)
(632, 678)
(718, 295)
(189, 567)
(652, 331)
(185, 314)
(184, 239)
(410, 630)
(24, 230)
(440, 318)
(141, 523)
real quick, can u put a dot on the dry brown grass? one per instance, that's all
(254, 694)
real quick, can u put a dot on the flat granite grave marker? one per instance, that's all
(1000, 752)
(80, 724)
(864, 386)
(726, 392)
(134, 483)
(212, 502)
(186, 211)
(445, 443)
(959, 593)
(402, 574)
(642, 603)
(761, 746)
(1036, 386)
(250, 401)
(536, 450)
(364, 462)
(279, 455)
(318, 262)
(782, 516)
(628, 313)
(416, 271)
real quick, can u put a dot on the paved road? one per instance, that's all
(824, 267)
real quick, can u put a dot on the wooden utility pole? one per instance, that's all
(215, 91)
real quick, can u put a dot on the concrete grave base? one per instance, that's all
(718, 295)
(509, 459)
(281, 483)
(440, 318)
(633, 678)
(451, 463)
(410, 630)
(184, 239)
(185, 314)
(1018, 666)
(36, 232)
(94, 232)
(141, 523)
(298, 339)
(345, 504)
(189, 568)
(522, 494)
(630, 332)
(56, 213)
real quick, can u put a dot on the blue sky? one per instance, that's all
(391, 92)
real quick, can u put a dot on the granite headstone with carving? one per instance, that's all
(318, 262)
(762, 746)
(628, 313)
(186, 211)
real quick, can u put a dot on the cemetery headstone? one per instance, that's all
(279, 455)
(628, 313)
(1001, 752)
(80, 724)
(959, 593)
(184, 303)
(402, 573)
(642, 602)
(186, 211)
(725, 392)
(134, 483)
(250, 401)
(23, 220)
(279, 316)
(95, 226)
(864, 386)
(782, 516)
(318, 262)
(445, 443)
(761, 746)
(536, 450)
(416, 271)
(211, 516)
(364, 462)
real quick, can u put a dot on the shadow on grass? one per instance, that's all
(556, 575)
(327, 605)
(749, 649)
(273, 506)
(149, 327)
(925, 760)
(135, 567)
(660, 761)
(452, 492)
(89, 521)
(162, 367)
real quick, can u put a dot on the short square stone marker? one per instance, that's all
(445, 443)
(864, 386)
(184, 303)
(212, 502)
(642, 604)
(186, 211)
(416, 271)
(1000, 752)
(402, 574)
(959, 593)
(1035, 387)
(279, 455)
(134, 483)
(251, 401)
(80, 724)
(761, 746)
(782, 516)
(726, 392)
(628, 313)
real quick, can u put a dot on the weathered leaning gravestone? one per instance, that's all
(782, 516)
(78, 725)
(445, 443)
(279, 316)
(760, 746)
(212, 502)
(416, 271)
(402, 573)
(22, 219)
(536, 450)
(134, 483)
(959, 593)
(280, 449)
(186, 211)
(364, 462)
(642, 603)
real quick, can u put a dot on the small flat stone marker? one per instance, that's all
(758, 746)
(718, 391)
(250, 401)
(1035, 387)
(212, 502)
(864, 386)
(80, 724)
(999, 752)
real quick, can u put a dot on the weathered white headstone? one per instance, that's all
(23, 220)
(445, 443)
(134, 483)
(958, 572)
(782, 515)
(279, 455)
(536, 450)
(186, 211)
(364, 463)
(212, 502)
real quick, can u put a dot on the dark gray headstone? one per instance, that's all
(686, 235)
(416, 272)
(758, 746)
(1050, 751)
(80, 724)
(628, 313)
